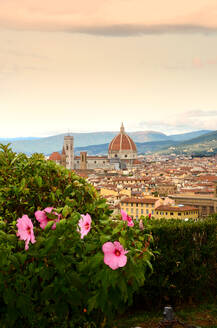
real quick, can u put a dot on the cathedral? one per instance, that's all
(122, 153)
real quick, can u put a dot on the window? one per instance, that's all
(126, 209)
(157, 212)
(166, 213)
(161, 213)
(77, 162)
(116, 155)
(125, 155)
(137, 211)
(141, 211)
(137, 204)
(147, 211)
(94, 162)
(171, 213)
(179, 214)
(152, 212)
(131, 210)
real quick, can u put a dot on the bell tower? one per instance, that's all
(69, 152)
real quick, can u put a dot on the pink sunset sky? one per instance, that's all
(89, 65)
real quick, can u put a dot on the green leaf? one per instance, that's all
(66, 211)
(122, 241)
(49, 226)
(22, 184)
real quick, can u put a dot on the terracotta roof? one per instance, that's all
(175, 208)
(136, 161)
(55, 156)
(122, 142)
(139, 200)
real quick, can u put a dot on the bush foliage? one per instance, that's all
(61, 280)
(185, 266)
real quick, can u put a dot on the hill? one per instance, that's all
(54, 143)
(188, 135)
(205, 145)
(142, 147)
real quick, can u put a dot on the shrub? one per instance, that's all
(185, 266)
(62, 280)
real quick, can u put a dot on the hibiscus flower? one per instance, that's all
(25, 230)
(41, 216)
(126, 217)
(84, 225)
(114, 255)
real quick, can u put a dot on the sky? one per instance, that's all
(83, 66)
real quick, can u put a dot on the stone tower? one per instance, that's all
(68, 151)
(83, 160)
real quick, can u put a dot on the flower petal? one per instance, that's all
(108, 247)
(111, 261)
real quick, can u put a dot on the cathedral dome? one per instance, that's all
(122, 146)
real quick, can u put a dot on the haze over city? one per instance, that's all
(88, 66)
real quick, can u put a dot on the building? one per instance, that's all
(136, 207)
(122, 149)
(122, 153)
(165, 189)
(206, 205)
(85, 162)
(176, 212)
(67, 158)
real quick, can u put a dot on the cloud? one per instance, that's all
(138, 30)
(111, 17)
(127, 30)
(187, 121)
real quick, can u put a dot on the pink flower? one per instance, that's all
(84, 225)
(149, 215)
(43, 219)
(114, 255)
(126, 217)
(25, 230)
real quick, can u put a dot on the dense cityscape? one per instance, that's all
(161, 186)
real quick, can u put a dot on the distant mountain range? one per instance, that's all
(142, 147)
(203, 145)
(96, 143)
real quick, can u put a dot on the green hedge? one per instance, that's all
(185, 265)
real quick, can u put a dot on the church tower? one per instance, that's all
(68, 151)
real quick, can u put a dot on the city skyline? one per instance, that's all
(87, 66)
